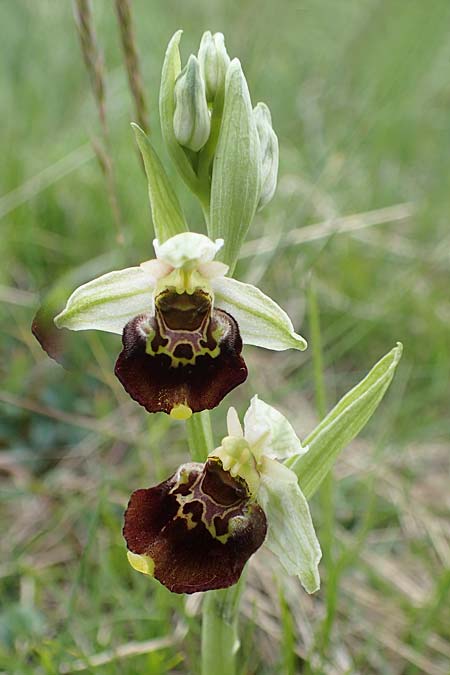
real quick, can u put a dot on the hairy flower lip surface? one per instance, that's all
(159, 386)
(196, 530)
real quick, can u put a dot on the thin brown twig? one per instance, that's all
(94, 62)
(127, 34)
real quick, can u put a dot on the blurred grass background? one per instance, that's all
(360, 94)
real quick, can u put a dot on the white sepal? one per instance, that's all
(187, 250)
(270, 431)
(291, 536)
(108, 302)
(261, 321)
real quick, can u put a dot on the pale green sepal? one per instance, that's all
(167, 215)
(261, 321)
(187, 250)
(290, 536)
(171, 70)
(236, 177)
(269, 430)
(108, 302)
(343, 423)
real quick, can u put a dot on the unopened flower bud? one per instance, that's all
(214, 61)
(269, 153)
(191, 120)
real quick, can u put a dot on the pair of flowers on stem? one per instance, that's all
(183, 323)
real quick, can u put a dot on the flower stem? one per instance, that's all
(220, 641)
(200, 437)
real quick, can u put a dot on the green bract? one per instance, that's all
(236, 177)
(167, 215)
(343, 423)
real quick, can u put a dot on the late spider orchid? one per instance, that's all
(182, 323)
(196, 530)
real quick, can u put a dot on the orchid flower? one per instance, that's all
(182, 323)
(196, 530)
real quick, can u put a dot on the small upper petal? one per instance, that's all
(213, 269)
(188, 249)
(156, 269)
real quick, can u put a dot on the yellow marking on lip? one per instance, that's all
(188, 517)
(141, 563)
(181, 412)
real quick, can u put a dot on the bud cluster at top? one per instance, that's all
(197, 86)
(199, 97)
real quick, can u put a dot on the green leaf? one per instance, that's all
(171, 70)
(343, 423)
(167, 215)
(236, 179)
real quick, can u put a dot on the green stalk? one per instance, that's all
(200, 437)
(220, 641)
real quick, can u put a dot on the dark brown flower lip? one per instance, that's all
(166, 377)
(192, 539)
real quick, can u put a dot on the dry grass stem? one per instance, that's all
(329, 227)
(93, 60)
(127, 34)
